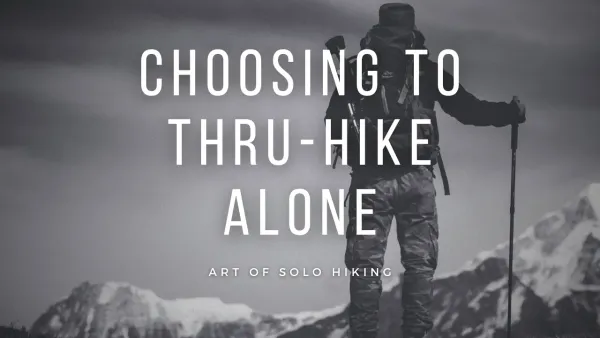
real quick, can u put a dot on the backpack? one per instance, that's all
(392, 101)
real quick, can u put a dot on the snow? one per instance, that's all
(390, 283)
(309, 317)
(518, 298)
(528, 247)
(593, 194)
(553, 274)
(337, 333)
(193, 313)
(109, 291)
(189, 314)
(89, 320)
(55, 323)
(448, 325)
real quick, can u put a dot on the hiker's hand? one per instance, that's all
(521, 115)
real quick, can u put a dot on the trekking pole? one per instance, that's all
(514, 139)
(335, 45)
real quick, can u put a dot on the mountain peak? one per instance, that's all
(548, 254)
(593, 194)
(112, 309)
(112, 304)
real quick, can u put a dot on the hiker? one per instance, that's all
(403, 191)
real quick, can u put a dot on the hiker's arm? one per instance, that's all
(468, 109)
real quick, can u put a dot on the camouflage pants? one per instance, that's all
(409, 196)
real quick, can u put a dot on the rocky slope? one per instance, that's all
(556, 292)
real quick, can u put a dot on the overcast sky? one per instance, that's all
(89, 189)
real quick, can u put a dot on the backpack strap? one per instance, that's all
(440, 162)
(415, 102)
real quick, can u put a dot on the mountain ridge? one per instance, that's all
(557, 276)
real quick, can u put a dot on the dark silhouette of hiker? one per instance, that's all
(403, 191)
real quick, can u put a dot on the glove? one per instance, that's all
(521, 115)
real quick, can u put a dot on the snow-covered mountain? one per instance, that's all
(556, 291)
(123, 310)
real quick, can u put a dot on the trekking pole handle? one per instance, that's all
(514, 133)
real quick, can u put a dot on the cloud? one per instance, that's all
(114, 34)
